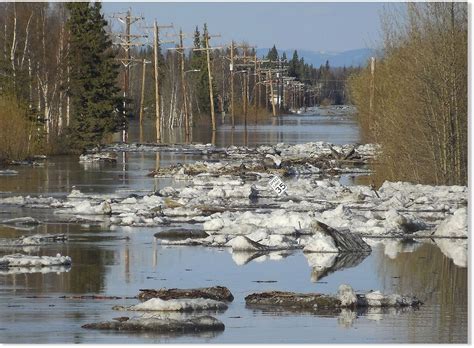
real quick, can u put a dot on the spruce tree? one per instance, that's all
(293, 66)
(96, 105)
(272, 54)
(201, 78)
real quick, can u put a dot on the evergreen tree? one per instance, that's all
(272, 54)
(283, 56)
(200, 78)
(96, 106)
(301, 70)
(293, 65)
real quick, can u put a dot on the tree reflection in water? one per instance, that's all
(434, 278)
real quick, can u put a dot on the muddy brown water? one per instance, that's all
(119, 261)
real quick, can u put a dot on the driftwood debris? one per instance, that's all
(314, 302)
(217, 293)
(181, 234)
(344, 241)
(160, 325)
(292, 300)
(96, 297)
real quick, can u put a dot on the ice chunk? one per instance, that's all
(454, 226)
(321, 243)
(182, 305)
(20, 260)
(346, 295)
(242, 243)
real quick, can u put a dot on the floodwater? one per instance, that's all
(122, 260)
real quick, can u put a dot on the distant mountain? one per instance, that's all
(336, 59)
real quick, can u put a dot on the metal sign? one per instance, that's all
(277, 185)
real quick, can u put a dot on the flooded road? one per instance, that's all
(118, 261)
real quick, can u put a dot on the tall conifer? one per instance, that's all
(96, 105)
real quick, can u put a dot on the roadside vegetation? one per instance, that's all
(16, 131)
(414, 104)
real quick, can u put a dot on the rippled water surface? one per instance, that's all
(122, 260)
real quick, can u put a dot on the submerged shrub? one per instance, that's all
(415, 102)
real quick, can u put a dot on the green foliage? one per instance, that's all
(272, 54)
(294, 66)
(201, 78)
(96, 106)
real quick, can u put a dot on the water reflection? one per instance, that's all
(438, 281)
(243, 257)
(323, 264)
(271, 130)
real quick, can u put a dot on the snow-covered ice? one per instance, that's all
(184, 305)
(20, 260)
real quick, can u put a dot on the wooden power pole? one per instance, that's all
(142, 96)
(232, 83)
(271, 93)
(256, 86)
(372, 90)
(183, 87)
(156, 42)
(211, 94)
(126, 41)
(208, 57)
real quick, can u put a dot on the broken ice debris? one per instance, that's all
(328, 239)
(27, 220)
(179, 305)
(98, 157)
(36, 239)
(20, 260)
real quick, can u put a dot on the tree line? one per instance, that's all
(413, 100)
(324, 85)
(61, 83)
(58, 77)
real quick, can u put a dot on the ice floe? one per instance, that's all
(20, 260)
(180, 305)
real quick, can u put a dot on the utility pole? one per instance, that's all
(256, 86)
(232, 82)
(183, 86)
(372, 90)
(156, 42)
(126, 42)
(208, 57)
(232, 66)
(211, 94)
(142, 96)
(271, 92)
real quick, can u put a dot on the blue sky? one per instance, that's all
(311, 26)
